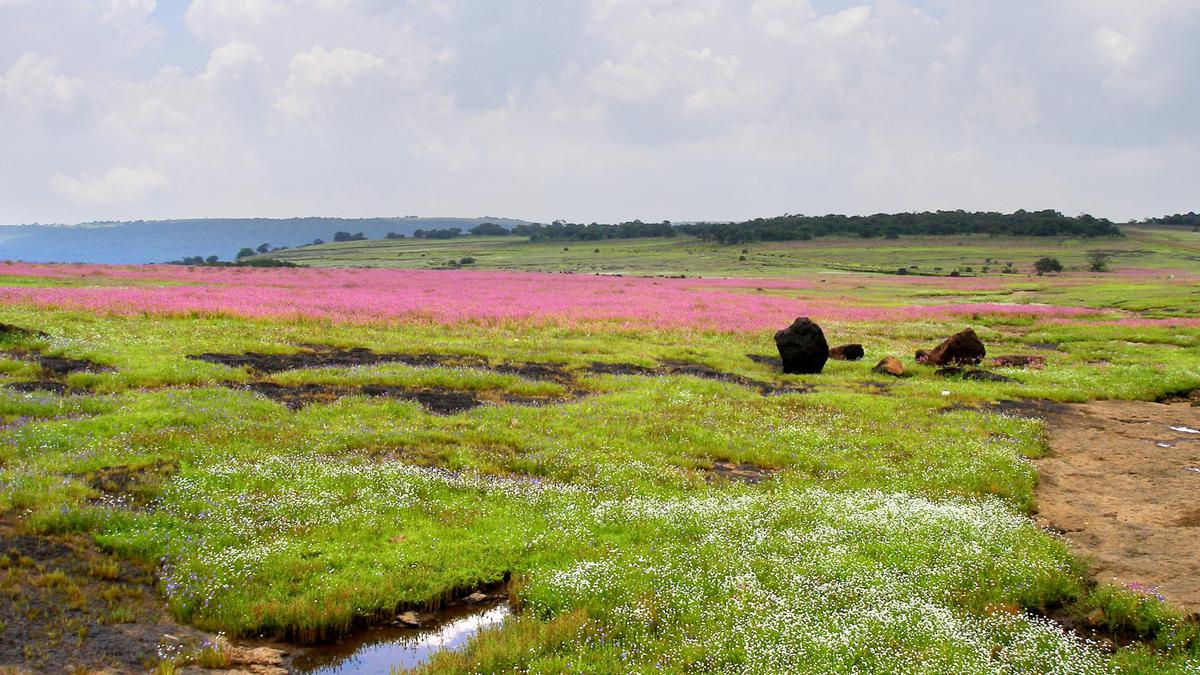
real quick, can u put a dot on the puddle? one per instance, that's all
(380, 650)
(1185, 430)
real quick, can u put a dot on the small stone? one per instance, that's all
(850, 352)
(409, 618)
(890, 365)
(258, 656)
(1095, 617)
(476, 597)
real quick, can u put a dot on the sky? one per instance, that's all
(596, 110)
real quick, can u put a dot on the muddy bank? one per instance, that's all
(448, 401)
(324, 357)
(68, 606)
(732, 472)
(1120, 482)
(296, 396)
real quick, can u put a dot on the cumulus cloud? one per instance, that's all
(34, 84)
(602, 109)
(119, 186)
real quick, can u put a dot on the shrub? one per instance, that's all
(1047, 265)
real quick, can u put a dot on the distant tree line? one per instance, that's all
(1188, 219)
(444, 233)
(214, 261)
(797, 227)
(480, 230)
(561, 230)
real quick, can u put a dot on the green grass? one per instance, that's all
(1145, 247)
(892, 533)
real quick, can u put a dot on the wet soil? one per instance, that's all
(671, 367)
(974, 374)
(10, 331)
(447, 401)
(436, 401)
(66, 605)
(54, 369)
(1120, 482)
(128, 487)
(750, 474)
(319, 357)
(40, 386)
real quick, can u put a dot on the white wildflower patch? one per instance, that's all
(816, 581)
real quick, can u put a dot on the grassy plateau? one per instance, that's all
(887, 527)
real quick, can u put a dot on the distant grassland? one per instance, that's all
(1144, 247)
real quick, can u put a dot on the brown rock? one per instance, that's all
(476, 597)
(259, 656)
(851, 352)
(960, 349)
(409, 618)
(1019, 361)
(890, 365)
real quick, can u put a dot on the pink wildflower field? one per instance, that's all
(385, 295)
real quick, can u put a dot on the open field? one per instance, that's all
(1152, 248)
(599, 449)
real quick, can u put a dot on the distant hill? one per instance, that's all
(152, 241)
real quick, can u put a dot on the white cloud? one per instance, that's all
(782, 19)
(119, 186)
(600, 109)
(318, 73)
(34, 84)
(232, 62)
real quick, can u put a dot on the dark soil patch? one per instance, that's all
(67, 605)
(61, 366)
(128, 487)
(443, 401)
(10, 331)
(621, 369)
(1029, 408)
(535, 371)
(1092, 629)
(974, 374)
(1047, 346)
(333, 358)
(671, 367)
(437, 401)
(750, 474)
(773, 361)
(1191, 397)
(36, 386)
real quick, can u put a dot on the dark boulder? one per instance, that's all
(890, 365)
(851, 352)
(802, 347)
(960, 349)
